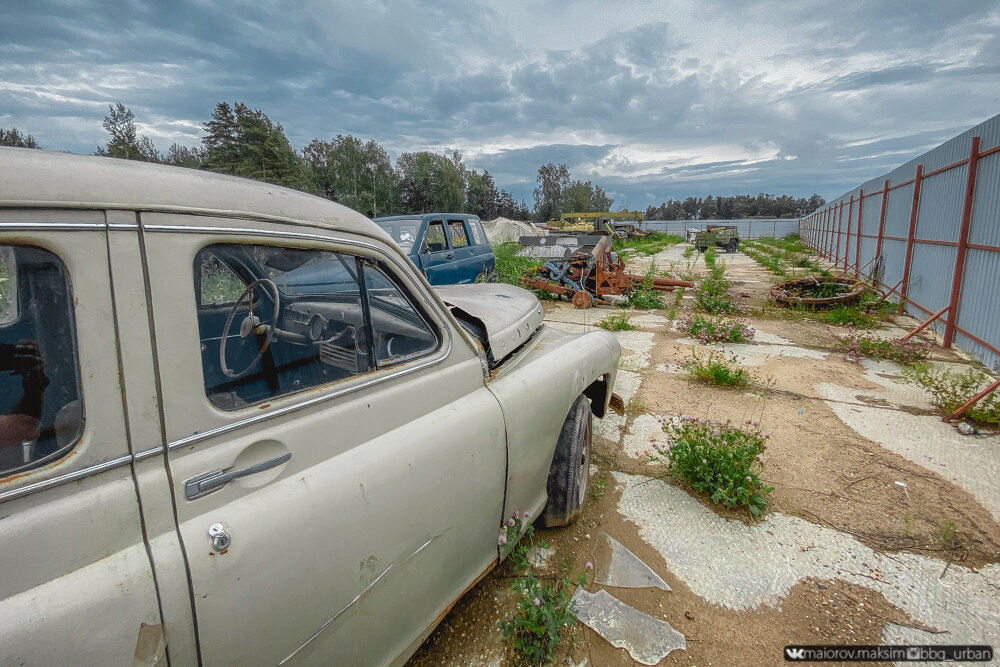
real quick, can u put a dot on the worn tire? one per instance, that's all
(569, 475)
(732, 245)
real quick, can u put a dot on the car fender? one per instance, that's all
(536, 388)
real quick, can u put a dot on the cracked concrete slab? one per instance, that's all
(647, 639)
(972, 463)
(743, 566)
(757, 355)
(611, 427)
(643, 436)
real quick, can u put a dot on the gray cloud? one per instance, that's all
(648, 100)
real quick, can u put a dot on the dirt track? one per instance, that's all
(883, 525)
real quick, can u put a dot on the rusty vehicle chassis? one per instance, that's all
(589, 278)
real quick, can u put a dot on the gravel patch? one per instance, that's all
(972, 463)
(741, 567)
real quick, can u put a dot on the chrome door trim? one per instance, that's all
(66, 478)
(294, 407)
(51, 226)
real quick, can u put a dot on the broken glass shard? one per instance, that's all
(648, 640)
(624, 569)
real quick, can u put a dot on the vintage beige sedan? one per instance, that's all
(238, 426)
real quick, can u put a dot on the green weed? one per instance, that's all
(950, 391)
(849, 316)
(644, 297)
(710, 330)
(545, 618)
(617, 322)
(719, 460)
(714, 294)
(719, 369)
(877, 348)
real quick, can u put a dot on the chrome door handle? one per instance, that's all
(202, 485)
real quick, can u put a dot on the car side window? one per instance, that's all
(41, 407)
(301, 318)
(435, 240)
(478, 234)
(457, 230)
(399, 331)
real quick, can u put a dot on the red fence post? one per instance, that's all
(910, 235)
(840, 225)
(881, 219)
(857, 243)
(822, 234)
(847, 244)
(963, 243)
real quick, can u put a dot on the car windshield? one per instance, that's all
(403, 232)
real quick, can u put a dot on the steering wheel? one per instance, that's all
(249, 326)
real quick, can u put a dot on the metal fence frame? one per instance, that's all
(749, 228)
(935, 222)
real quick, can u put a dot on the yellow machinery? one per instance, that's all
(623, 224)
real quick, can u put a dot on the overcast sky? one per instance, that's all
(650, 100)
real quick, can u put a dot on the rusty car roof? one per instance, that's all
(32, 178)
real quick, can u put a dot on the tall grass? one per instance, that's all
(650, 244)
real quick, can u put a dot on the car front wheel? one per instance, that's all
(569, 475)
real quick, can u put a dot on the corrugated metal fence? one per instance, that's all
(935, 222)
(749, 229)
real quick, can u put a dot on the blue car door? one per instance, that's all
(436, 257)
(467, 264)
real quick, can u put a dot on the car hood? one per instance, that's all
(508, 315)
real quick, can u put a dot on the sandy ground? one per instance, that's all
(883, 525)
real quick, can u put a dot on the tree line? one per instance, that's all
(739, 206)
(243, 141)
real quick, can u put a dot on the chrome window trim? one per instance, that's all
(301, 405)
(66, 478)
(51, 226)
(77, 475)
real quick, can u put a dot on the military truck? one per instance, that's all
(719, 236)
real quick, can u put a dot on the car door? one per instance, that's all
(437, 259)
(485, 261)
(77, 584)
(379, 453)
(466, 265)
